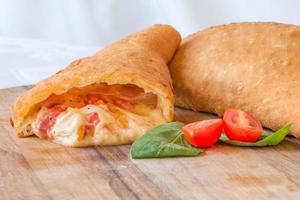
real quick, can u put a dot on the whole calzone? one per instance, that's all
(109, 98)
(250, 66)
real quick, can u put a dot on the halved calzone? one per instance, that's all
(110, 98)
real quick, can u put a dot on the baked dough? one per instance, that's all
(251, 66)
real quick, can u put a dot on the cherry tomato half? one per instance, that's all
(241, 126)
(203, 133)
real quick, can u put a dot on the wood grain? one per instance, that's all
(36, 169)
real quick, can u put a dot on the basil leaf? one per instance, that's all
(267, 139)
(163, 141)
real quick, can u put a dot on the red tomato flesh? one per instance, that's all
(203, 133)
(92, 119)
(241, 126)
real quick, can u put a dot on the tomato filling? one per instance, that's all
(112, 98)
(48, 120)
(92, 120)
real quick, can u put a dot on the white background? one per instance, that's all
(38, 37)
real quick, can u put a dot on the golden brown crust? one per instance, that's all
(139, 59)
(251, 66)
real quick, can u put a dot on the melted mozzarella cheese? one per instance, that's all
(69, 126)
(137, 125)
(101, 130)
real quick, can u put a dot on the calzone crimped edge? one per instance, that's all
(250, 66)
(109, 98)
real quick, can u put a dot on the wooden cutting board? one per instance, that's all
(37, 169)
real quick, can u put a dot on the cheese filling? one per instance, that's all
(96, 123)
(68, 128)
